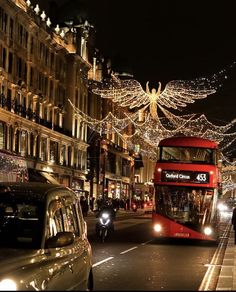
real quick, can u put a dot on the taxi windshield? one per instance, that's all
(20, 221)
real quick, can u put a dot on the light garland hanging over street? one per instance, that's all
(149, 126)
(177, 93)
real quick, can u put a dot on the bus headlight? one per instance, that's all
(222, 207)
(157, 227)
(207, 231)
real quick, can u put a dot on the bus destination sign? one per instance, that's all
(185, 176)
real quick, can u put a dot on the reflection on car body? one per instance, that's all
(43, 239)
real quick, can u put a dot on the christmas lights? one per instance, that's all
(149, 127)
(148, 133)
(176, 94)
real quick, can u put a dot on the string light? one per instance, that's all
(140, 112)
(37, 9)
(177, 93)
(43, 15)
(149, 133)
(48, 22)
(57, 29)
(227, 183)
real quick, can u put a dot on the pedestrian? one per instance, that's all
(84, 206)
(234, 223)
(91, 203)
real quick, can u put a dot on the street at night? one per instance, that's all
(131, 259)
(117, 145)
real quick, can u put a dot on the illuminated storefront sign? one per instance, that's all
(185, 176)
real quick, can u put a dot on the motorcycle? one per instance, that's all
(104, 226)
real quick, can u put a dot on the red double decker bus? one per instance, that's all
(187, 182)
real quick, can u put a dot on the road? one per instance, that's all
(132, 260)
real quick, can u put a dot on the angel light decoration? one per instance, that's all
(176, 94)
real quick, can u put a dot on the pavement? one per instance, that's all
(227, 276)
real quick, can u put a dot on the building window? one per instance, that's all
(11, 135)
(10, 63)
(53, 152)
(17, 141)
(23, 143)
(4, 58)
(11, 28)
(32, 145)
(69, 155)
(2, 135)
(44, 149)
(63, 155)
(19, 67)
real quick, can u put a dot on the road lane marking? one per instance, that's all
(103, 261)
(125, 251)
(213, 264)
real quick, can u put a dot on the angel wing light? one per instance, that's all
(176, 94)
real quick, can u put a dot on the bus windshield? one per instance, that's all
(186, 205)
(188, 154)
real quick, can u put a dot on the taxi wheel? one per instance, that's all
(90, 281)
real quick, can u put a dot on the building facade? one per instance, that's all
(42, 70)
(39, 72)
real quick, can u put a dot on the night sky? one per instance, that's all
(165, 40)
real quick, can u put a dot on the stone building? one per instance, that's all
(39, 70)
(42, 67)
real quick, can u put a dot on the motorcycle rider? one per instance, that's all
(107, 207)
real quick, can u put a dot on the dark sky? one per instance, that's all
(165, 40)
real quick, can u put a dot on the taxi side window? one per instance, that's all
(70, 219)
(55, 223)
(62, 218)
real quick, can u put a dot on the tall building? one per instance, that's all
(40, 69)
(44, 67)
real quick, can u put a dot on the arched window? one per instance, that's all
(17, 141)
(2, 135)
(31, 144)
(23, 143)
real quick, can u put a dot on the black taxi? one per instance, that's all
(43, 239)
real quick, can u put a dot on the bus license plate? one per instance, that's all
(182, 234)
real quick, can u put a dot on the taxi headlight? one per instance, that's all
(7, 285)
(207, 231)
(157, 227)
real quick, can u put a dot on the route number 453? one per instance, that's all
(201, 177)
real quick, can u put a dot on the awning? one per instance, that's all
(41, 176)
(49, 177)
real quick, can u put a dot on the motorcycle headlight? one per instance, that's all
(7, 285)
(105, 215)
